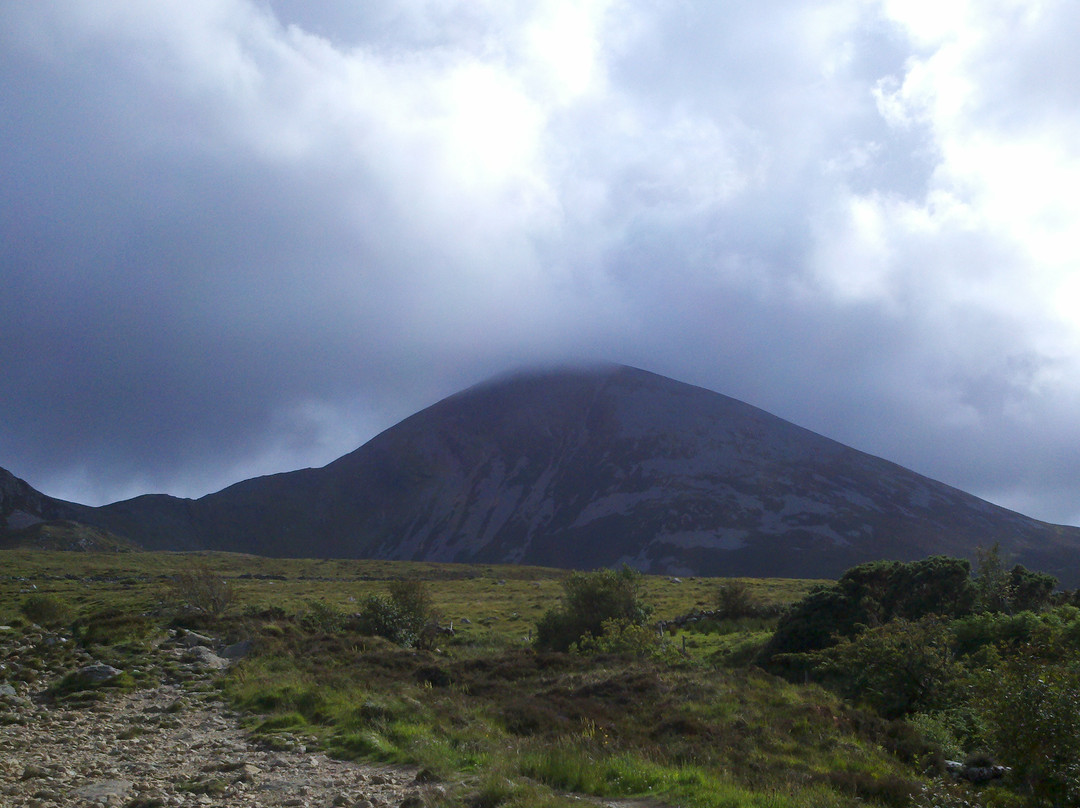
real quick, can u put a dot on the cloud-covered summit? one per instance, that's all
(238, 237)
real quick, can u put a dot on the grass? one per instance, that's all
(500, 724)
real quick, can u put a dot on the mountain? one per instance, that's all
(21, 506)
(598, 467)
(30, 519)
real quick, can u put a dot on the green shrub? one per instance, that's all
(898, 668)
(1029, 705)
(627, 638)
(46, 610)
(400, 618)
(1009, 591)
(200, 590)
(322, 617)
(589, 600)
(112, 626)
(937, 729)
(736, 599)
(871, 595)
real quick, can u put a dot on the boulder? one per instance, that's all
(97, 673)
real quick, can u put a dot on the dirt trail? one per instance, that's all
(174, 744)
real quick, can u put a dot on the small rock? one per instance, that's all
(205, 658)
(106, 790)
(98, 672)
(193, 639)
(7, 690)
(248, 772)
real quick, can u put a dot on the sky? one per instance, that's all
(240, 237)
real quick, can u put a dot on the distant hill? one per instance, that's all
(30, 519)
(62, 534)
(598, 467)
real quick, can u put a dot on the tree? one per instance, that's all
(1031, 591)
(589, 600)
(991, 581)
(1009, 591)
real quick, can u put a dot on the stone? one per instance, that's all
(98, 672)
(238, 650)
(104, 790)
(7, 690)
(205, 658)
(193, 639)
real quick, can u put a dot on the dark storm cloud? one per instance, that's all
(240, 237)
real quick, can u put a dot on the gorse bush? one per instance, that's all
(46, 610)
(589, 600)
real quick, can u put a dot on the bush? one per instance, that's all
(1029, 706)
(202, 591)
(401, 617)
(1015, 590)
(871, 595)
(322, 617)
(896, 669)
(630, 639)
(111, 626)
(589, 600)
(735, 599)
(46, 610)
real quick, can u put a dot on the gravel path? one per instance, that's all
(173, 744)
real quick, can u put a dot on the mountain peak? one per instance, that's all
(593, 466)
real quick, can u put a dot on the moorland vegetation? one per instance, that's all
(900, 684)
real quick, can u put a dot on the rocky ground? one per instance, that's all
(167, 742)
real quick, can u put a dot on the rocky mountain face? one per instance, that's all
(599, 467)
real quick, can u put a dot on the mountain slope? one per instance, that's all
(21, 506)
(596, 467)
(31, 519)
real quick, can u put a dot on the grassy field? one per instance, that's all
(690, 723)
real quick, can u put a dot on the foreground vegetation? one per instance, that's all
(518, 686)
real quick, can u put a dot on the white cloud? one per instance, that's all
(853, 213)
